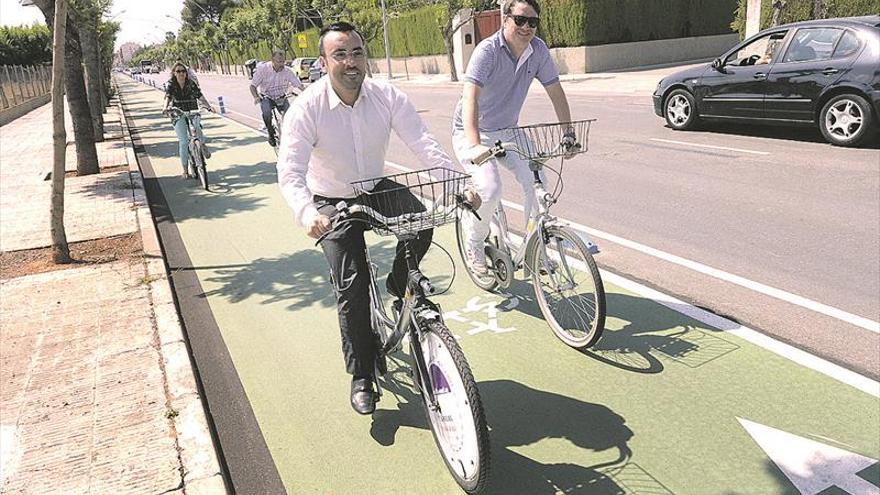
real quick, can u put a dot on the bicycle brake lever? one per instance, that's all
(459, 198)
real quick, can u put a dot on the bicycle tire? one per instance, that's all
(580, 333)
(200, 166)
(487, 283)
(465, 449)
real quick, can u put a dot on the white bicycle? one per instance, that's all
(564, 275)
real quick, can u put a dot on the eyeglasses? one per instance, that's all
(357, 55)
(181, 71)
(521, 20)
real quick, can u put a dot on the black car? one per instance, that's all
(824, 72)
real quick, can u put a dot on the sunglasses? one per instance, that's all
(521, 20)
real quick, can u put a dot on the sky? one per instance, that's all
(142, 21)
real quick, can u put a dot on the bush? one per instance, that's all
(412, 33)
(25, 45)
(802, 10)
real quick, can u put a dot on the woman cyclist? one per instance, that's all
(183, 93)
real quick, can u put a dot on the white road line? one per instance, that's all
(738, 150)
(803, 358)
(243, 115)
(780, 294)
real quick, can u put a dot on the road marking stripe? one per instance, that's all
(839, 314)
(683, 143)
(803, 358)
(788, 297)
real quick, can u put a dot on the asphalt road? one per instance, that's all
(777, 207)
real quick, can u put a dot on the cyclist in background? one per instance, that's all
(183, 93)
(272, 79)
(495, 86)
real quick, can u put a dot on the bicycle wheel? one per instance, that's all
(199, 164)
(457, 420)
(568, 287)
(488, 282)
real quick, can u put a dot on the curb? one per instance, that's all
(200, 468)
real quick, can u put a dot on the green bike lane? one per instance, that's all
(664, 403)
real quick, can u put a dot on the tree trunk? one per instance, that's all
(80, 112)
(778, 8)
(450, 57)
(60, 249)
(86, 155)
(88, 36)
(820, 9)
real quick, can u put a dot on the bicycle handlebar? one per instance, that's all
(500, 149)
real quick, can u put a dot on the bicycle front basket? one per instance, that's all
(543, 141)
(412, 201)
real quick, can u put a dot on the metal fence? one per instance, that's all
(19, 84)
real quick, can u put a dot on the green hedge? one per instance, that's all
(25, 45)
(412, 33)
(801, 10)
(597, 22)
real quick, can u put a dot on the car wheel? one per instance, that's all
(845, 120)
(680, 110)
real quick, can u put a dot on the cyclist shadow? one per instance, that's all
(519, 416)
(650, 333)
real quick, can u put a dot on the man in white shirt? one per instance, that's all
(272, 79)
(337, 132)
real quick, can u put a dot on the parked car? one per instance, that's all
(135, 70)
(154, 69)
(822, 72)
(315, 71)
(300, 66)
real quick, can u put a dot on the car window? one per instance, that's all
(758, 52)
(812, 44)
(848, 45)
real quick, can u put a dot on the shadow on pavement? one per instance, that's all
(519, 416)
(651, 333)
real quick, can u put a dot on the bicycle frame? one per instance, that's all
(415, 309)
(537, 226)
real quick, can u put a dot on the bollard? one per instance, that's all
(221, 105)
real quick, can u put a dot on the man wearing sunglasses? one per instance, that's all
(337, 132)
(496, 82)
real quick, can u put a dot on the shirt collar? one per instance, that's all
(522, 58)
(333, 98)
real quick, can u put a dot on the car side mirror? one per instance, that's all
(717, 64)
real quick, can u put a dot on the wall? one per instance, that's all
(585, 59)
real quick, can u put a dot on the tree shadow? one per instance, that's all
(301, 280)
(519, 416)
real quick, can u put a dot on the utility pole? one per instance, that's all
(385, 33)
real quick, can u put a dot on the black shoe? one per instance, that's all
(363, 399)
(272, 141)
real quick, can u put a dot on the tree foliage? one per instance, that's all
(25, 45)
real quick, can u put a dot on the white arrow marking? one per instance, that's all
(810, 465)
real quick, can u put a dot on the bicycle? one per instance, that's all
(196, 154)
(551, 253)
(440, 372)
(277, 114)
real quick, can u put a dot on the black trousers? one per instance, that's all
(345, 249)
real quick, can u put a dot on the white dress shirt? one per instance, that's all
(326, 145)
(274, 83)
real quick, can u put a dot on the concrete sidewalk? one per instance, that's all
(98, 390)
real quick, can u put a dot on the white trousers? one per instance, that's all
(487, 181)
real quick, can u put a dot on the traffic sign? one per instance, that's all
(302, 41)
